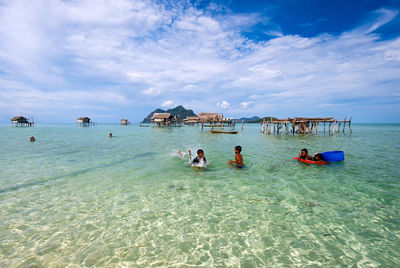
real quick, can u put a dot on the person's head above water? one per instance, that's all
(304, 151)
(238, 149)
(318, 157)
(200, 153)
(110, 135)
(32, 138)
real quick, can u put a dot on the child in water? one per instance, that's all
(304, 155)
(198, 161)
(318, 158)
(238, 157)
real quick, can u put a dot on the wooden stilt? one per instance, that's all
(351, 131)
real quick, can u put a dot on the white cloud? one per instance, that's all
(167, 103)
(224, 104)
(151, 91)
(74, 52)
(246, 104)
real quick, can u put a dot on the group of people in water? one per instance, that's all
(200, 161)
(317, 159)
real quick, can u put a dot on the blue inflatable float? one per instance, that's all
(333, 156)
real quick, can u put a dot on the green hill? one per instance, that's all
(178, 111)
(267, 118)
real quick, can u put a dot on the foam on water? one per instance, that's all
(77, 197)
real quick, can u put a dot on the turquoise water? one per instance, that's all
(77, 198)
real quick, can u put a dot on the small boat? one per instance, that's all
(144, 125)
(224, 132)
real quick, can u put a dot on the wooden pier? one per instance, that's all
(305, 125)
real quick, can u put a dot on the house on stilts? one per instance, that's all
(84, 121)
(163, 120)
(124, 122)
(20, 121)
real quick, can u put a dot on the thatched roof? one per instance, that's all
(161, 116)
(192, 119)
(210, 117)
(19, 119)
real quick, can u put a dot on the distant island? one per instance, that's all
(178, 111)
(254, 119)
(259, 120)
(247, 119)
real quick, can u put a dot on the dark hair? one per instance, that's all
(238, 148)
(200, 151)
(320, 156)
(304, 150)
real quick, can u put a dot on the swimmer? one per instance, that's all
(32, 139)
(198, 161)
(238, 157)
(318, 158)
(110, 135)
(304, 155)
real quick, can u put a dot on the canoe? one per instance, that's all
(224, 132)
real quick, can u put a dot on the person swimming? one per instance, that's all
(238, 157)
(32, 139)
(318, 158)
(198, 161)
(304, 155)
(110, 135)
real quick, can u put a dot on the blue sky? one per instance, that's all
(122, 58)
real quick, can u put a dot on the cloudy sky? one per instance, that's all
(124, 58)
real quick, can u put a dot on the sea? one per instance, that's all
(77, 198)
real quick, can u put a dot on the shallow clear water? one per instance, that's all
(76, 197)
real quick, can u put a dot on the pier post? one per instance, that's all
(349, 125)
(344, 123)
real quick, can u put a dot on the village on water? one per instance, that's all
(217, 122)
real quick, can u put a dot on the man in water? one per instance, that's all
(110, 135)
(32, 139)
(238, 157)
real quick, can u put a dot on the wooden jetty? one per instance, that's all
(20, 121)
(84, 121)
(304, 125)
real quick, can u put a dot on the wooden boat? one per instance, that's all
(224, 132)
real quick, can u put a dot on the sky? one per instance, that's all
(113, 59)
